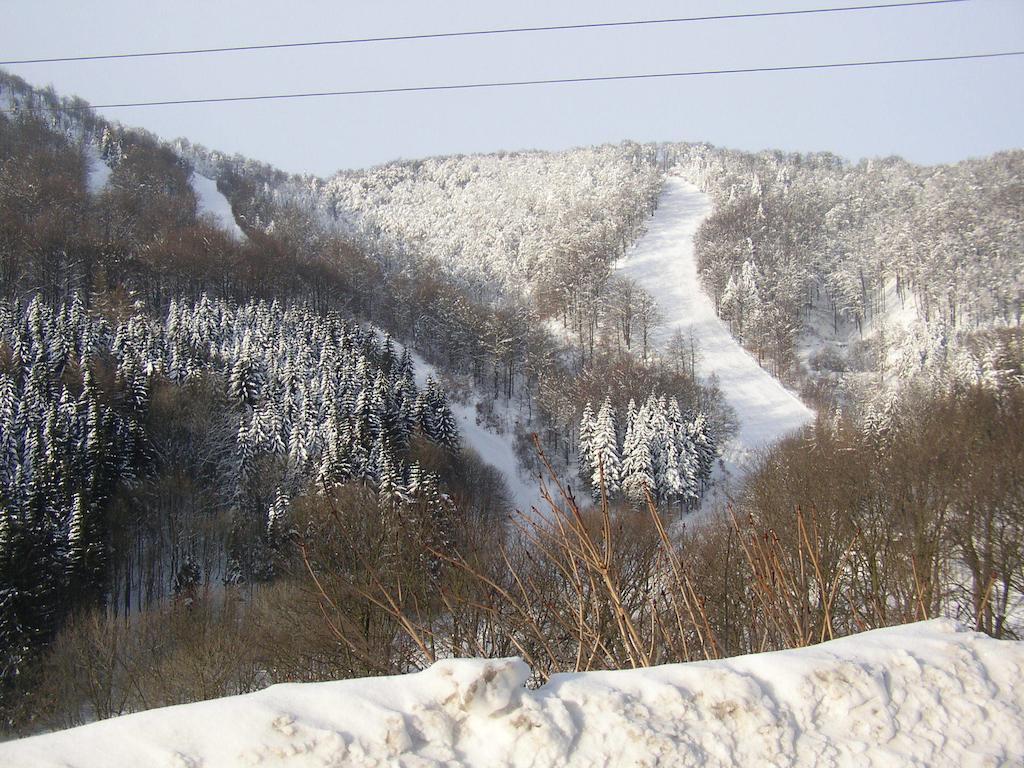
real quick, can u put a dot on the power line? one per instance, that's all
(552, 81)
(479, 33)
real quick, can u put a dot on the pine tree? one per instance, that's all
(422, 416)
(405, 369)
(637, 461)
(390, 490)
(704, 446)
(605, 452)
(86, 560)
(277, 514)
(586, 434)
(245, 384)
(298, 449)
(388, 360)
(403, 402)
(15, 639)
(445, 428)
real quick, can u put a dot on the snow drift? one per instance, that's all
(925, 694)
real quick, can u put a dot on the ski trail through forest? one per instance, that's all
(496, 449)
(664, 264)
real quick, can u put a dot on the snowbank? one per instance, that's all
(924, 694)
(212, 202)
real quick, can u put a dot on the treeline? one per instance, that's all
(137, 236)
(499, 267)
(182, 409)
(846, 530)
(842, 531)
(137, 239)
(919, 513)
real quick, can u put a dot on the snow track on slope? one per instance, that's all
(212, 202)
(663, 263)
(97, 172)
(496, 449)
(923, 694)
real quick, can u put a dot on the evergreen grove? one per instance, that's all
(303, 402)
(658, 451)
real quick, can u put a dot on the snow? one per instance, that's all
(97, 171)
(898, 318)
(922, 694)
(495, 449)
(213, 203)
(663, 263)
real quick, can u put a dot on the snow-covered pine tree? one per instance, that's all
(388, 360)
(637, 461)
(86, 554)
(446, 429)
(586, 438)
(277, 514)
(245, 383)
(390, 489)
(704, 445)
(604, 453)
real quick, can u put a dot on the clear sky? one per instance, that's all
(928, 113)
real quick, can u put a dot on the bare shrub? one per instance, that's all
(101, 666)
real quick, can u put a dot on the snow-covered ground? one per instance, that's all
(496, 449)
(663, 264)
(926, 694)
(212, 202)
(897, 318)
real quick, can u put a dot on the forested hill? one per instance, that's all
(197, 386)
(865, 275)
(825, 269)
(202, 401)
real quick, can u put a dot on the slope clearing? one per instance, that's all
(663, 264)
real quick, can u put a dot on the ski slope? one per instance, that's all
(926, 694)
(211, 201)
(663, 263)
(496, 449)
(97, 172)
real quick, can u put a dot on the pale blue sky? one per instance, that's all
(927, 113)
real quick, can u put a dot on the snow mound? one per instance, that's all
(663, 263)
(924, 694)
(212, 202)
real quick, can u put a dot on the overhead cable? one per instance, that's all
(551, 81)
(477, 33)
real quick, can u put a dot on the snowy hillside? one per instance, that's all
(501, 221)
(924, 694)
(664, 265)
(97, 171)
